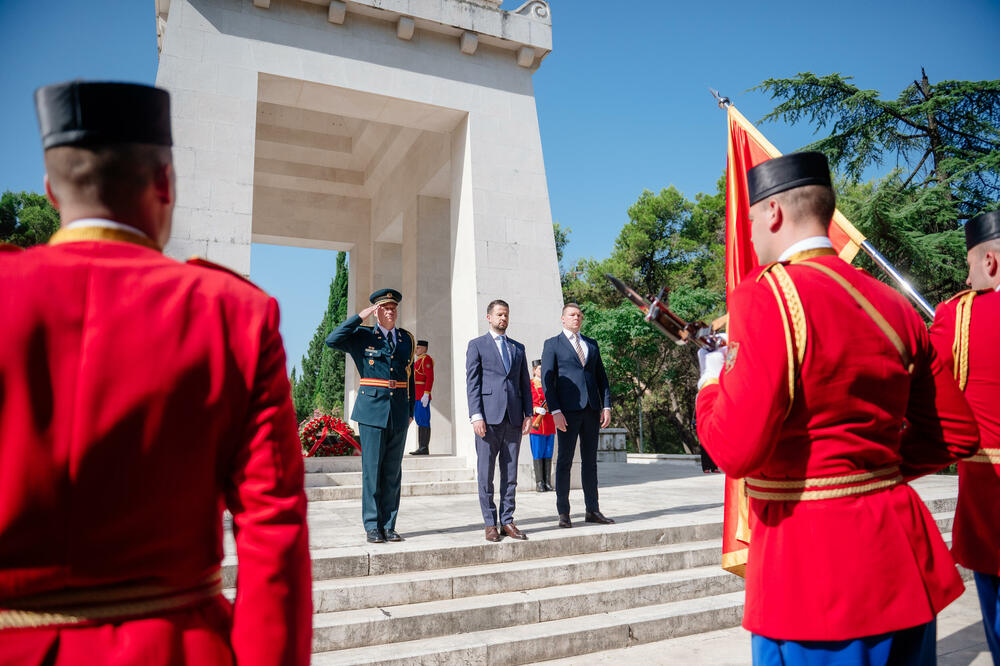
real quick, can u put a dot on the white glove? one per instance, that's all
(540, 410)
(425, 399)
(711, 364)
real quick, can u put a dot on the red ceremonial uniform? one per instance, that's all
(139, 397)
(547, 426)
(423, 375)
(834, 558)
(966, 334)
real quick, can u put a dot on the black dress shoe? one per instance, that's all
(597, 517)
(420, 452)
(392, 535)
(564, 520)
(375, 536)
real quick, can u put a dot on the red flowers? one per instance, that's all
(326, 435)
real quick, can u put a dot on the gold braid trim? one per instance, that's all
(960, 348)
(79, 606)
(794, 309)
(798, 490)
(789, 345)
(82, 234)
(988, 456)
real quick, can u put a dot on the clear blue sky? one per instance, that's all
(622, 99)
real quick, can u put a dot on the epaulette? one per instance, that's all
(10, 247)
(205, 263)
(959, 295)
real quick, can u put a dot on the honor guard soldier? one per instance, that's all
(423, 381)
(383, 355)
(543, 431)
(807, 404)
(140, 397)
(966, 333)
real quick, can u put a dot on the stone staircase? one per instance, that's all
(339, 478)
(446, 596)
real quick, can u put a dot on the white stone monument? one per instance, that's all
(402, 131)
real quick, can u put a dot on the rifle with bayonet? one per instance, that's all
(682, 332)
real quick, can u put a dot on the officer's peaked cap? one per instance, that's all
(385, 296)
(787, 172)
(95, 113)
(982, 228)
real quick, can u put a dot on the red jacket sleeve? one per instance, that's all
(940, 426)
(272, 617)
(739, 418)
(428, 369)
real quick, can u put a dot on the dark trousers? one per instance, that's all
(504, 440)
(585, 425)
(381, 475)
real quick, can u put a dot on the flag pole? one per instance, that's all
(869, 249)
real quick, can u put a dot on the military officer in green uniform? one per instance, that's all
(383, 355)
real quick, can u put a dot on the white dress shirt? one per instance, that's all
(811, 243)
(104, 224)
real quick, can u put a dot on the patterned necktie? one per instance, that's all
(579, 349)
(504, 353)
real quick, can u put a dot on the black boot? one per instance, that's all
(423, 441)
(547, 473)
(539, 482)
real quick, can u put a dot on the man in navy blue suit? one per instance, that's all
(499, 392)
(579, 397)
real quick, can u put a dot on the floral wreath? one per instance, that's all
(326, 435)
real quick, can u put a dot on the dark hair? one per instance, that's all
(496, 302)
(571, 305)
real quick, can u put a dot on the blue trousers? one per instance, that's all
(502, 440)
(381, 475)
(908, 647)
(541, 446)
(422, 415)
(987, 586)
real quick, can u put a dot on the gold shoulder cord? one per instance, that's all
(793, 320)
(876, 316)
(960, 348)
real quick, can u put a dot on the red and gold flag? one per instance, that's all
(747, 149)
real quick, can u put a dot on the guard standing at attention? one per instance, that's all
(543, 431)
(383, 355)
(966, 333)
(139, 397)
(807, 404)
(423, 380)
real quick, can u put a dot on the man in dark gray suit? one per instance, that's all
(579, 397)
(499, 392)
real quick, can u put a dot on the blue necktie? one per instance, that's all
(504, 353)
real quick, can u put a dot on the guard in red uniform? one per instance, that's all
(966, 333)
(543, 431)
(423, 382)
(807, 403)
(139, 398)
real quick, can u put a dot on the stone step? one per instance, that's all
(341, 594)
(328, 479)
(382, 559)
(394, 624)
(353, 463)
(554, 639)
(322, 493)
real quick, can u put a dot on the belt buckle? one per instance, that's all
(392, 383)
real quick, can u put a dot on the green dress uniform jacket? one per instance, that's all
(379, 406)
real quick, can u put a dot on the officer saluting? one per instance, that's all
(383, 355)
(966, 333)
(139, 397)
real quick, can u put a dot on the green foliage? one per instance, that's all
(561, 235)
(320, 385)
(26, 218)
(945, 137)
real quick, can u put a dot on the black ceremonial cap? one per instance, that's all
(93, 113)
(421, 343)
(982, 228)
(385, 296)
(535, 363)
(787, 172)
